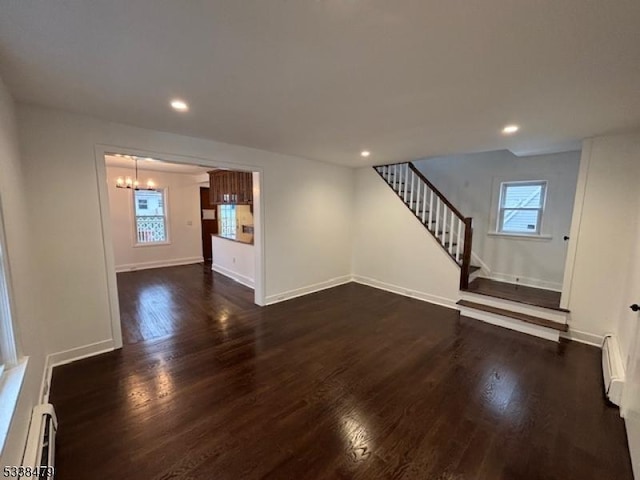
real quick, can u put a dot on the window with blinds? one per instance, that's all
(521, 207)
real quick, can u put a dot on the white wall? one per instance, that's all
(391, 249)
(471, 182)
(603, 239)
(307, 224)
(183, 200)
(234, 259)
(25, 287)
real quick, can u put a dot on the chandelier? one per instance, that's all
(133, 183)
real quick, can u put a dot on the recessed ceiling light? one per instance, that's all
(509, 129)
(179, 105)
(365, 153)
(149, 159)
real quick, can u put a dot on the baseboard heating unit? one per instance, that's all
(39, 453)
(612, 369)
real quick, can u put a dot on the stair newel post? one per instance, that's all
(459, 225)
(466, 254)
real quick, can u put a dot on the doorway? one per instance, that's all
(109, 186)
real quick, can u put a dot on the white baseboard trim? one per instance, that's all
(583, 337)
(407, 292)
(129, 267)
(525, 281)
(243, 279)
(316, 287)
(68, 356)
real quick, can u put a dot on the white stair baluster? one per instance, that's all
(424, 201)
(437, 215)
(395, 177)
(431, 209)
(417, 197)
(444, 224)
(406, 181)
(451, 234)
(412, 191)
(407, 184)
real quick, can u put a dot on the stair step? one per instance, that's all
(542, 322)
(520, 294)
(474, 269)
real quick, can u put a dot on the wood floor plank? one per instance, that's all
(351, 382)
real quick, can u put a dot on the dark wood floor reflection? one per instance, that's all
(166, 301)
(350, 382)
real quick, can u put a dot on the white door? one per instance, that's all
(629, 336)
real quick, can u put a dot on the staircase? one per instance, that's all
(451, 229)
(504, 304)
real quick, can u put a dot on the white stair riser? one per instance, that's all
(474, 275)
(540, 312)
(511, 324)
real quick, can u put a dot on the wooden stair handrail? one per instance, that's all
(436, 191)
(465, 266)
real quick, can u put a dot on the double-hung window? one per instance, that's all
(150, 217)
(521, 207)
(8, 354)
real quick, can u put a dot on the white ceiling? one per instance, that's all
(145, 163)
(325, 79)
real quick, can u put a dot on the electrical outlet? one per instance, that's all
(189, 223)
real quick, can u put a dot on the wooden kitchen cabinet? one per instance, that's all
(228, 186)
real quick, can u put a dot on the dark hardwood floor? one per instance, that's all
(160, 302)
(351, 382)
(517, 293)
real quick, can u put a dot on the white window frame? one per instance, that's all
(167, 241)
(12, 367)
(501, 209)
(8, 350)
